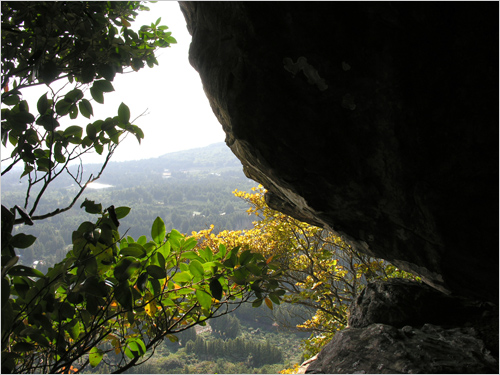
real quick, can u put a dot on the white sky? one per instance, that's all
(179, 115)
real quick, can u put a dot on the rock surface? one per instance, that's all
(400, 326)
(384, 349)
(379, 120)
(400, 302)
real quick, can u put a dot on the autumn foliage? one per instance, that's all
(319, 269)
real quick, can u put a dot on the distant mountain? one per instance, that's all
(216, 158)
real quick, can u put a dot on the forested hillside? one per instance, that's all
(189, 190)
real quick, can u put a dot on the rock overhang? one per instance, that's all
(378, 120)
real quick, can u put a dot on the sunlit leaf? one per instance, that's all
(196, 268)
(95, 356)
(135, 348)
(204, 298)
(121, 212)
(175, 238)
(158, 230)
(182, 277)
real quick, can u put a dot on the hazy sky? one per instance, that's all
(179, 115)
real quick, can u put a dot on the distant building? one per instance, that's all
(166, 174)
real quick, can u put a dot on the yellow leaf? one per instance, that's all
(269, 303)
(151, 308)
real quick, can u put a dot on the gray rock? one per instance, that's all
(384, 349)
(399, 302)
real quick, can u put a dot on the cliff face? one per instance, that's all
(378, 120)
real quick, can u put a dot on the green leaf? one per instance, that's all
(216, 289)
(95, 356)
(274, 298)
(135, 250)
(58, 156)
(196, 268)
(156, 272)
(124, 296)
(142, 240)
(135, 348)
(142, 281)
(42, 104)
(123, 113)
(48, 122)
(97, 95)
(86, 108)
(74, 130)
(253, 268)
(189, 244)
(257, 302)
(165, 250)
(125, 268)
(22, 241)
(158, 231)
(23, 347)
(183, 277)
(107, 71)
(222, 251)
(175, 238)
(103, 85)
(74, 95)
(98, 148)
(207, 254)
(121, 212)
(12, 99)
(23, 118)
(204, 299)
(63, 107)
(5, 290)
(192, 255)
(245, 257)
(73, 112)
(139, 134)
(73, 328)
(20, 270)
(91, 207)
(171, 40)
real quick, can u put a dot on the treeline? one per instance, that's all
(254, 354)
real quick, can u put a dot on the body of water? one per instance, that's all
(98, 185)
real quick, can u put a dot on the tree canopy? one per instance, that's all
(319, 269)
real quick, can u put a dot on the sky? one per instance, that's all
(178, 117)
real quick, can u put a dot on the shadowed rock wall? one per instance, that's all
(379, 120)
